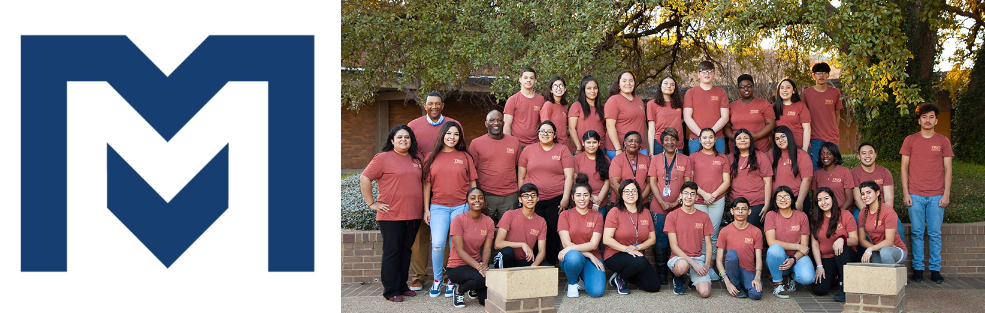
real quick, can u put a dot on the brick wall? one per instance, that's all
(358, 136)
(963, 251)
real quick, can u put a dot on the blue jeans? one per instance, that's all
(612, 153)
(694, 145)
(440, 224)
(803, 270)
(899, 223)
(663, 242)
(577, 265)
(739, 276)
(815, 151)
(926, 216)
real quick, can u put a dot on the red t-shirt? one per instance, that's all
(846, 224)
(824, 107)
(495, 162)
(875, 228)
(450, 175)
(585, 165)
(838, 180)
(783, 176)
(546, 168)
(519, 228)
(752, 117)
(744, 241)
(691, 230)
(426, 134)
(683, 168)
(589, 122)
(926, 175)
(748, 183)
(631, 228)
(708, 170)
(880, 175)
(580, 227)
(474, 234)
(794, 117)
(788, 229)
(629, 116)
(399, 180)
(557, 114)
(707, 105)
(622, 166)
(664, 116)
(526, 116)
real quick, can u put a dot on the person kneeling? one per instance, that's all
(581, 231)
(740, 254)
(628, 232)
(689, 232)
(788, 234)
(519, 231)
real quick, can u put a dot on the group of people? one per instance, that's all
(529, 200)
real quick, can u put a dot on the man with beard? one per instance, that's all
(496, 156)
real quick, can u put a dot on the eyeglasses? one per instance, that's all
(707, 71)
(557, 87)
(819, 73)
(528, 195)
(630, 192)
(783, 197)
(546, 132)
(688, 193)
(745, 86)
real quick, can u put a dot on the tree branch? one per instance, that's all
(975, 16)
(663, 26)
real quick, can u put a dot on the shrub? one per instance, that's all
(355, 214)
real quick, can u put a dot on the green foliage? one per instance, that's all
(969, 116)
(355, 214)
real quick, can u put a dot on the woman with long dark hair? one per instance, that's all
(581, 232)
(833, 239)
(449, 172)
(471, 248)
(752, 176)
(587, 113)
(791, 166)
(397, 170)
(793, 113)
(788, 237)
(711, 173)
(555, 108)
(551, 167)
(628, 232)
(878, 234)
(624, 112)
(595, 166)
(664, 112)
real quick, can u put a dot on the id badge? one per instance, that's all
(666, 191)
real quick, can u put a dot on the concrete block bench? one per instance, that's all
(874, 287)
(522, 289)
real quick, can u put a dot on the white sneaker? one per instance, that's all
(573, 291)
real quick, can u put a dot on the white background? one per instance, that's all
(226, 269)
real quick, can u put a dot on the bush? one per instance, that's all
(968, 118)
(355, 214)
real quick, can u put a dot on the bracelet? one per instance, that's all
(820, 266)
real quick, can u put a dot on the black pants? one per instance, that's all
(510, 260)
(833, 270)
(398, 238)
(468, 278)
(635, 270)
(548, 209)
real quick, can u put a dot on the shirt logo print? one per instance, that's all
(935, 148)
(534, 232)
(879, 181)
(753, 111)
(791, 113)
(836, 180)
(829, 101)
(840, 226)
(786, 162)
(794, 227)
(642, 166)
(510, 150)
(748, 240)
(714, 98)
(537, 108)
(699, 226)
(459, 161)
(417, 165)
(717, 162)
(680, 168)
(644, 222)
(556, 157)
(482, 232)
(589, 224)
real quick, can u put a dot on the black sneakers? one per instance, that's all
(936, 277)
(917, 276)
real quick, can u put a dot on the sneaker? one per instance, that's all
(396, 298)
(742, 294)
(780, 292)
(573, 291)
(936, 277)
(450, 290)
(409, 293)
(791, 285)
(472, 294)
(581, 284)
(417, 285)
(621, 287)
(840, 296)
(435, 289)
(497, 261)
(917, 276)
(459, 300)
(679, 285)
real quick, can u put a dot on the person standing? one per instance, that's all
(624, 112)
(631, 164)
(628, 232)
(833, 240)
(425, 129)
(788, 237)
(706, 106)
(752, 176)
(581, 232)
(397, 170)
(587, 114)
(711, 173)
(522, 111)
(471, 248)
(740, 254)
(868, 170)
(752, 113)
(592, 163)
(790, 166)
(668, 172)
(926, 174)
(663, 113)
(831, 174)
(792, 113)
(551, 167)
(555, 109)
(824, 103)
(496, 155)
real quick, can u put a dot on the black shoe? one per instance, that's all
(936, 277)
(679, 285)
(917, 276)
(840, 296)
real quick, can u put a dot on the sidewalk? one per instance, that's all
(959, 294)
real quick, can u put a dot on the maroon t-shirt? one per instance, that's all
(788, 229)
(546, 168)
(880, 175)
(846, 224)
(838, 180)
(708, 170)
(399, 180)
(450, 175)
(748, 183)
(585, 165)
(519, 228)
(691, 230)
(744, 241)
(665, 116)
(629, 116)
(474, 234)
(752, 117)
(580, 227)
(794, 116)
(526, 116)
(783, 176)
(495, 162)
(824, 107)
(707, 105)
(683, 168)
(875, 228)
(557, 114)
(622, 166)
(426, 134)
(631, 228)
(588, 122)
(926, 175)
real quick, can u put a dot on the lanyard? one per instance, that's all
(635, 226)
(668, 168)
(632, 165)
